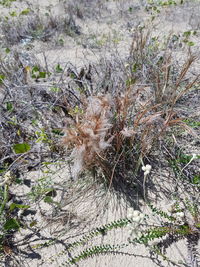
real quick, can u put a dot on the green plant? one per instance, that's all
(42, 136)
(96, 250)
(9, 222)
(179, 165)
(36, 73)
(6, 3)
(150, 235)
(40, 190)
(21, 148)
(192, 123)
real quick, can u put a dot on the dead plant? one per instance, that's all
(114, 134)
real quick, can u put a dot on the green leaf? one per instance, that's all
(13, 14)
(59, 69)
(11, 224)
(19, 206)
(135, 66)
(12, 123)
(72, 76)
(21, 148)
(196, 179)
(48, 199)
(187, 34)
(57, 132)
(192, 123)
(9, 106)
(35, 69)
(25, 11)
(18, 181)
(33, 223)
(191, 43)
(34, 122)
(55, 89)
(7, 50)
(2, 77)
(2, 170)
(42, 74)
(130, 81)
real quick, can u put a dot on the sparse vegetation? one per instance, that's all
(99, 139)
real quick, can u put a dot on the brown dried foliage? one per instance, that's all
(130, 123)
(99, 133)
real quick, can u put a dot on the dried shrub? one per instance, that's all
(114, 134)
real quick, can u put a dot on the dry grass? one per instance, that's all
(37, 27)
(154, 63)
(108, 128)
(128, 126)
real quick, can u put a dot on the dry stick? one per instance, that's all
(21, 156)
(61, 77)
(140, 161)
(139, 115)
(45, 61)
(185, 69)
(113, 170)
(144, 186)
(7, 88)
(167, 73)
(5, 199)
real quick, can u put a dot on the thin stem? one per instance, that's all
(5, 199)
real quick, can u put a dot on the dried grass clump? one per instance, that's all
(89, 135)
(116, 133)
(35, 26)
(113, 134)
(153, 62)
